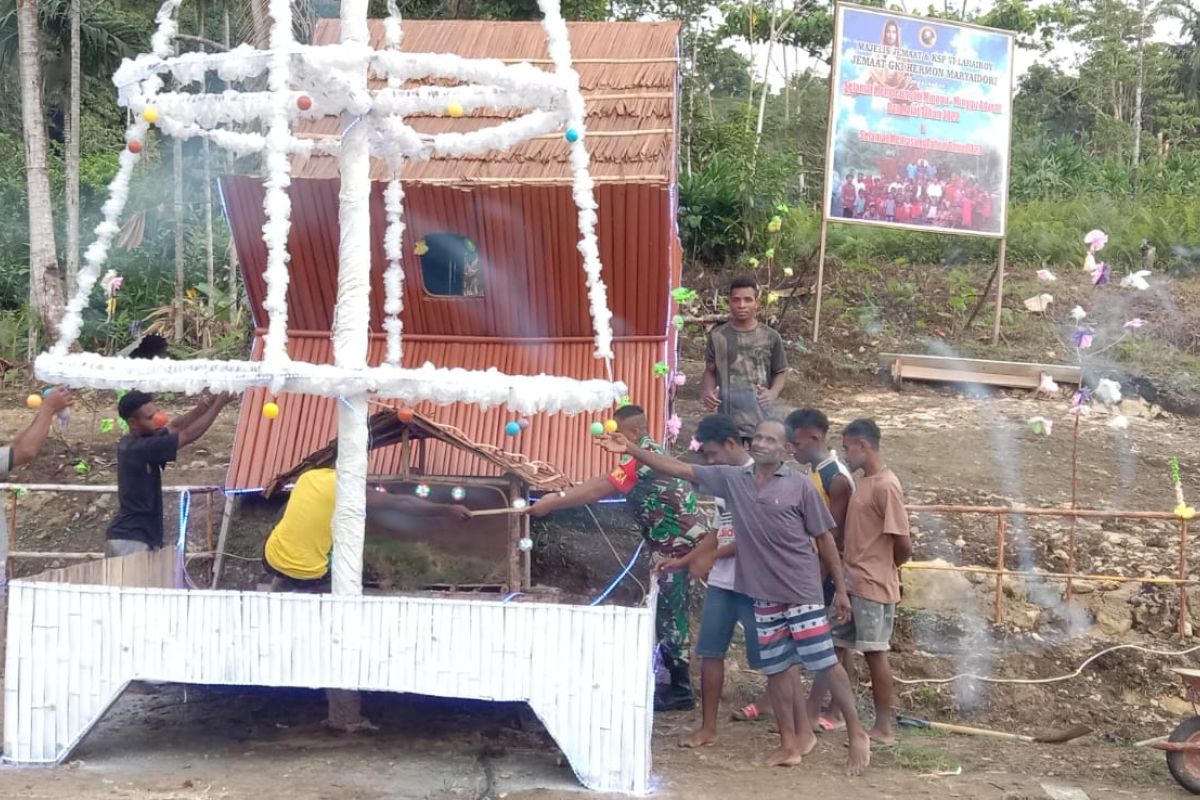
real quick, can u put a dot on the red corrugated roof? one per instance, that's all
(628, 74)
(533, 281)
(266, 448)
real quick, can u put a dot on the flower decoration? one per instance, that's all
(684, 296)
(672, 428)
(1182, 509)
(1080, 400)
(1046, 275)
(82, 468)
(1077, 313)
(107, 426)
(678, 320)
(772, 297)
(678, 378)
(1041, 425)
(788, 272)
(1039, 303)
(421, 247)
(775, 224)
(625, 400)
(752, 261)
(1095, 240)
(694, 445)
(661, 369)
(111, 283)
(1136, 280)
(1100, 274)
(1082, 338)
(770, 252)
(1119, 422)
(1047, 386)
(1135, 323)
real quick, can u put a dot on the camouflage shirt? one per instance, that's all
(666, 508)
(744, 360)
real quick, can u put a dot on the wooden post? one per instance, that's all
(820, 277)
(1074, 499)
(12, 535)
(405, 453)
(1001, 521)
(218, 566)
(208, 525)
(1183, 542)
(515, 556)
(999, 290)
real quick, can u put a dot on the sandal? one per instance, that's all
(747, 713)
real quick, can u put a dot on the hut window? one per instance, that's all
(450, 265)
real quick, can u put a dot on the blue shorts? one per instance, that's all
(793, 635)
(723, 610)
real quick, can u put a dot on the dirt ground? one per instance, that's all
(946, 446)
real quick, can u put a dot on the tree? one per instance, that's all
(45, 284)
(72, 136)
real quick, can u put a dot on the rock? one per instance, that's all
(1176, 706)
(1082, 587)
(1114, 620)
(1059, 791)
(1109, 586)
(1114, 538)
(939, 590)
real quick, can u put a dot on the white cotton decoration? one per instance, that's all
(393, 277)
(260, 121)
(526, 394)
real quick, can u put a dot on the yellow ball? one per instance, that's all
(34, 401)
(1184, 511)
(150, 114)
(454, 109)
(270, 410)
(610, 426)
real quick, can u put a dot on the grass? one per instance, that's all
(922, 758)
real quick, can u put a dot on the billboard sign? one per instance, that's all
(919, 123)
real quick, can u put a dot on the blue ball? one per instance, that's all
(572, 135)
(512, 428)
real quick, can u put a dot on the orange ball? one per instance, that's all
(34, 401)
(134, 146)
(405, 414)
(160, 419)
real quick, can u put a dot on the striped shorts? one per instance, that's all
(790, 635)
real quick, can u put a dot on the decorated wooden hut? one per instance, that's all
(492, 276)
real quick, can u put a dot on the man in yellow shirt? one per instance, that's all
(297, 552)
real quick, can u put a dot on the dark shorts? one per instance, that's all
(830, 589)
(286, 583)
(793, 635)
(723, 610)
(869, 630)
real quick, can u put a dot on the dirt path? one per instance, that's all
(248, 744)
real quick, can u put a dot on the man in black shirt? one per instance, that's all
(153, 441)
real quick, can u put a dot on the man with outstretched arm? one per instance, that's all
(777, 516)
(876, 542)
(669, 516)
(153, 442)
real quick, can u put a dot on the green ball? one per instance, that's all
(597, 429)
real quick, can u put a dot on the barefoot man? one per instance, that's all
(713, 557)
(777, 517)
(877, 543)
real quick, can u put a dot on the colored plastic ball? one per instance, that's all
(134, 146)
(519, 503)
(524, 423)
(150, 114)
(405, 414)
(525, 544)
(422, 490)
(572, 135)
(160, 419)
(610, 426)
(455, 109)
(512, 428)
(270, 410)
(597, 429)
(34, 401)
(458, 493)
(304, 102)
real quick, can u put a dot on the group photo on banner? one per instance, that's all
(919, 123)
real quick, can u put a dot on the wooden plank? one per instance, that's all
(1065, 373)
(911, 373)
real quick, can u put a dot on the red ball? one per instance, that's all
(160, 420)
(405, 414)
(134, 146)
(304, 102)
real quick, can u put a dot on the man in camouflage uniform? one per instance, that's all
(671, 522)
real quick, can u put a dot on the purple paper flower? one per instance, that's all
(694, 445)
(1100, 274)
(679, 379)
(672, 427)
(1082, 338)
(1080, 400)
(1095, 240)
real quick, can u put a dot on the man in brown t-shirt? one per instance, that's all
(876, 543)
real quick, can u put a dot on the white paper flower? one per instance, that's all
(1136, 280)
(1039, 303)
(1046, 275)
(1119, 422)
(1135, 323)
(1077, 313)
(1047, 386)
